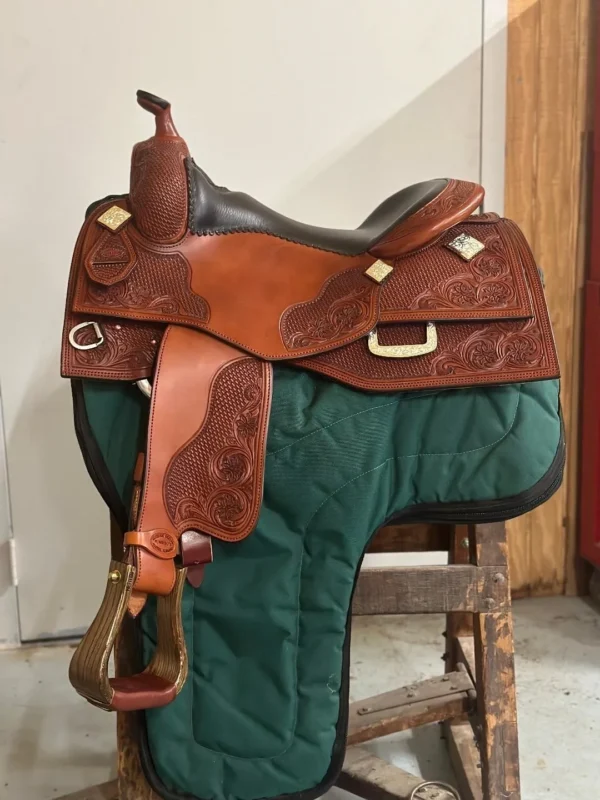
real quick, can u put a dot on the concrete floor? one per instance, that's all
(53, 743)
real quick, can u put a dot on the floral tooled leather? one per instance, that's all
(214, 483)
(159, 283)
(344, 304)
(436, 283)
(471, 349)
(494, 348)
(451, 206)
(127, 353)
(488, 283)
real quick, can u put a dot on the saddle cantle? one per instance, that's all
(199, 290)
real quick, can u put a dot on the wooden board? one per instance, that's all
(411, 539)
(366, 775)
(430, 590)
(465, 758)
(547, 135)
(433, 700)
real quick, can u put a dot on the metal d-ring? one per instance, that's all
(436, 785)
(404, 350)
(80, 327)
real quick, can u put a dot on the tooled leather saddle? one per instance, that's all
(193, 291)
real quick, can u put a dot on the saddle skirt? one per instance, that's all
(199, 294)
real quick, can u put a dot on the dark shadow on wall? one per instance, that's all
(424, 139)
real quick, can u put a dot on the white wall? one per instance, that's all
(320, 108)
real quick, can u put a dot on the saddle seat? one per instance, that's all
(218, 210)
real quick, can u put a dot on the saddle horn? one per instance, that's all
(161, 110)
(158, 191)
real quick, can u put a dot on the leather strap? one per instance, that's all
(196, 552)
(136, 495)
(160, 543)
(203, 472)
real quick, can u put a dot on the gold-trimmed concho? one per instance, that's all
(467, 247)
(113, 218)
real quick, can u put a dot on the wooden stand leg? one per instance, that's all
(460, 649)
(459, 624)
(495, 676)
(486, 766)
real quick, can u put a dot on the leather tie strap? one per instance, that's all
(196, 553)
(161, 543)
(163, 678)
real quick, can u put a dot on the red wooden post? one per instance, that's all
(590, 410)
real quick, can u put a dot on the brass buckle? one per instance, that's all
(88, 671)
(405, 350)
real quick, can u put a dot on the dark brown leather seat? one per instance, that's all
(217, 210)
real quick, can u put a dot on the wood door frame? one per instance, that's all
(548, 150)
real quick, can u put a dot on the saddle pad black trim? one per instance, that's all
(93, 459)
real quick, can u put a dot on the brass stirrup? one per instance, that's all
(405, 350)
(164, 676)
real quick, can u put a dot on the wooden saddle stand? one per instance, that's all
(475, 700)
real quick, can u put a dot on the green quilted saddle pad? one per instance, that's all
(263, 712)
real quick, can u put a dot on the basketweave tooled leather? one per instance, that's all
(158, 188)
(500, 285)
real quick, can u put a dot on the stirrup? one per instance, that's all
(163, 678)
